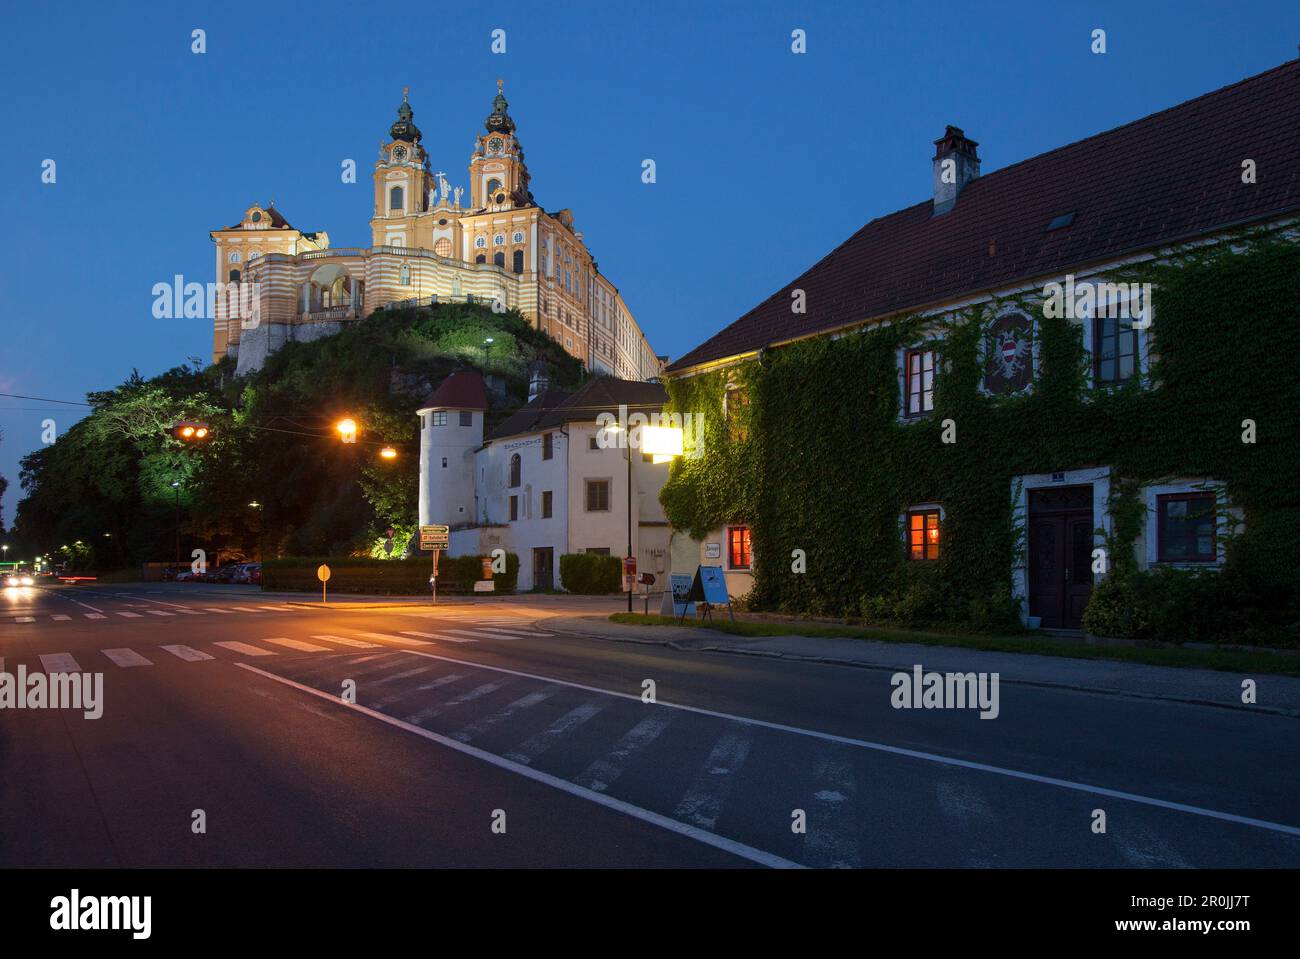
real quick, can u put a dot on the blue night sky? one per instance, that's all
(766, 160)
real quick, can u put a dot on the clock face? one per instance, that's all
(495, 144)
(399, 153)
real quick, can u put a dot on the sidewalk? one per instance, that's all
(1278, 695)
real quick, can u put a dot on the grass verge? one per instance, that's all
(1231, 660)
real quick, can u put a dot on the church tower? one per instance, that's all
(403, 182)
(497, 174)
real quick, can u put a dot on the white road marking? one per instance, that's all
(442, 681)
(60, 617)
(159, 612)
(901, 751)
(246, 609)
(450, 639)
(402, 675)
(481, 726)
(703, 801)
(512, 632)
(526, 753)
(831, 841)
(94, 616)
(602, 774)
(244, 648)
(396, 639)
(25, 619)
(297, 644)
(645, 815)
(476, 634)
(60, 663)
(188, 612)
(274, 609)
(126, 657)
(187, 653)
(128, 615)
(344, 641)
(216, 609)
(466, 697)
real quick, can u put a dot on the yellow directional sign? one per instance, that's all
(323, 573)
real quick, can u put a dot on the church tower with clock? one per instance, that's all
(402, 181)
(498, 176)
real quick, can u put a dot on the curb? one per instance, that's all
(1291, 713)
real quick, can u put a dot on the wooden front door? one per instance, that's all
(1060, 555)
(544, 568)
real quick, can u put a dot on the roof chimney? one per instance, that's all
(955, 164)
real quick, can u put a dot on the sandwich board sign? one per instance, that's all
(676, 600)
(710, 588)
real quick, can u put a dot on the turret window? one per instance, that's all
(395, 198)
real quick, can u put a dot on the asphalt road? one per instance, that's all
(479, 737)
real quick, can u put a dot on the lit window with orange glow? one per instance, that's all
(923, 534)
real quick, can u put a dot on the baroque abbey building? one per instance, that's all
(430, 242)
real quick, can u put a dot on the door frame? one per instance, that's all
(1098, 477)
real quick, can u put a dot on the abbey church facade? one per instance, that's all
(430, 242)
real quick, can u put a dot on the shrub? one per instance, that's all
(393, 577)
(591, 573)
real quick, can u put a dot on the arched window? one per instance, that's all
(499, 258)
(499, 240)
(234, 256)
(493, 185)
(442, 247)
(395, 198)
(516, 468)
(481, 258)
(234, 276)
(519, 261)
(404, 275)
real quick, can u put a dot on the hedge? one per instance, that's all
(591, 573)
(400, 577)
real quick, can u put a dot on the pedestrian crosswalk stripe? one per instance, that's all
(274, 609)
(297, 644)
(25, 619)
(60, 617)
(478, 692)
(396, 639)
(703, 801)
(528, 752)
(512, 632)
(128, 615)
(244, 648)
(450, 639)
(344, 641)
(60, 663)
(601, 774)
(478, 634)
(94, 616)
(246, 609)
(187, 653)
(189, 612)
(126, 657)
(479, 727)
(159, 612)
(216, 609)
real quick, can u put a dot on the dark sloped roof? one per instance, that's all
(1170, 176)
(598, 395)
(459, 391)
(278, 222)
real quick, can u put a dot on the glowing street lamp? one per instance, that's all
(388, 453)
(663, 443)
(347, 428)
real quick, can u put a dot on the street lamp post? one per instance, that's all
(176, 485)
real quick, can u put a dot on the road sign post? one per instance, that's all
(435, 538)
(323, 574)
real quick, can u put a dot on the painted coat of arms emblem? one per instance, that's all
(1009, 354)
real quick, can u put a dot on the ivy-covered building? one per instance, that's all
(1064, 392)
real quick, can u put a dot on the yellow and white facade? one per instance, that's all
(490, 243)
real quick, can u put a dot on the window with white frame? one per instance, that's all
(918, 381)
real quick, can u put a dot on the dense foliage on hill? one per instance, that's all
(102, 495)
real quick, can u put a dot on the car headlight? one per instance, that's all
(28, 581)
(11, 581)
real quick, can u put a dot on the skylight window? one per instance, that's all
(1061, 222)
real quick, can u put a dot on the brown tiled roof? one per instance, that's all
(459, 391)
(600, 394)
(1170, 176)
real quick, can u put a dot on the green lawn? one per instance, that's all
(1227, 659)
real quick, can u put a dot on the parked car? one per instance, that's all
(185, 576)
(169, 573)
(251, 573)
(226, 573)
